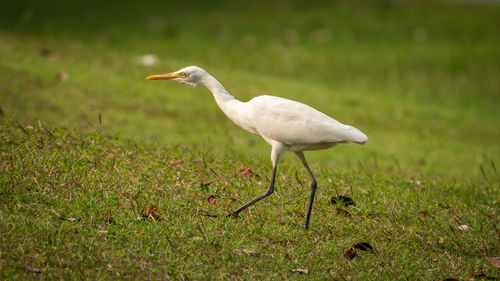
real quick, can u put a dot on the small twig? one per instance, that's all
(201, 227)
(173, 245)
(494, 167)
(215, 173)
(49, 132)
(297, 177)
(482, 171)
(22, 128)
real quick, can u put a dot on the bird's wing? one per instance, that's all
(292, 122)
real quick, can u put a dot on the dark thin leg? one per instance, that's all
(313, 188)
(262, 196)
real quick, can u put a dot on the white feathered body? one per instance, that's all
(294, 124)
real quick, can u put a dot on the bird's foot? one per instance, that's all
(233, 215)
(208, 214)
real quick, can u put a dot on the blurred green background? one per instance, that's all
(420, 78)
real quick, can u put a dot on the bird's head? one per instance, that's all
(191, 75)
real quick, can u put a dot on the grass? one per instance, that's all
(411, 223)
(109, 143)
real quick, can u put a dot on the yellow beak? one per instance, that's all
(166, 76)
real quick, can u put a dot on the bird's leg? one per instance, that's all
(300, 154)
(269, 191)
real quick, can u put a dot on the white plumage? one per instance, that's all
(286, 125)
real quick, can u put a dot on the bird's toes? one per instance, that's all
(233, 215)
(208, 214)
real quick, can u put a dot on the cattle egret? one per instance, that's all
(285, 124)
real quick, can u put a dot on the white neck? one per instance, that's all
(227, 103)
(232, 107)
(222, 97)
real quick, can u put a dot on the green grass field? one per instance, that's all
(102, 146)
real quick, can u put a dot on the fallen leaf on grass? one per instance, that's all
(363, 246)
(479, 273)
(59, 217)
(33, 269)
(342, 199)
(150, 213)
(300, 270)
(62, 76)
(423, 213)
(246, 171)
(350, 254)
(247, 252)
(495, 261)
(211, 199)
(464, 227)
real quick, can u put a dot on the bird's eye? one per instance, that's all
(183, 74)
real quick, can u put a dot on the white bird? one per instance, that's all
(286, 125)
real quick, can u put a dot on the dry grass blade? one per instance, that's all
(300, 270)
(495, 261)
(59, 217)
(33, 269)
(246, 252)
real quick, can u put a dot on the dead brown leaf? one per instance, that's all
(151, 210)
(495, 261)
(423, 213)
(350, 254)
(246, 171)
(464, 227)
(247, 252)
(479, 273)
(300, 270)
(211, 199)
(150, 213)
(363, 246)
(342, 199)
